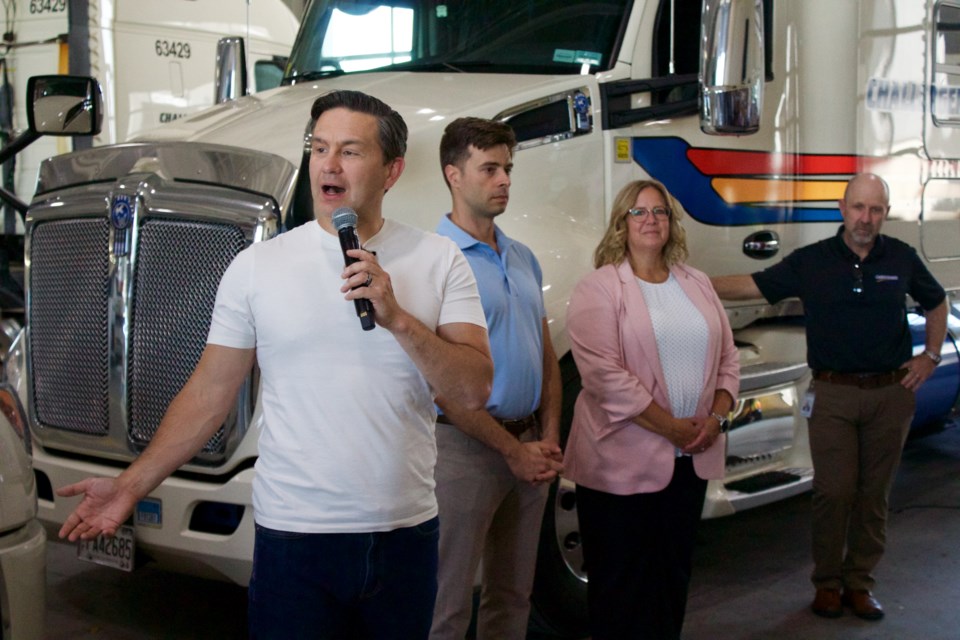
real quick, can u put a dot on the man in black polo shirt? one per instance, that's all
(853, 287)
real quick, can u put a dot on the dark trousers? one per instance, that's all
(638, 551)
(350, 586)
(856, 438)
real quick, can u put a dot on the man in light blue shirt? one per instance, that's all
(494, 465)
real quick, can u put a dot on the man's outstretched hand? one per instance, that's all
(104, 507)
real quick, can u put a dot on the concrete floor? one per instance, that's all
(750, 575)
(751, 572)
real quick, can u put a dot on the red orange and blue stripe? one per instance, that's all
(735, 187)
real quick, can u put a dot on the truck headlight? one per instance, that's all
(13, 361)
(13, 412)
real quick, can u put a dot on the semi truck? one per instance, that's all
(156, 61)
(754, 113)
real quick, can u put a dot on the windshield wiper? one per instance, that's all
(311, 75)
(459, 66)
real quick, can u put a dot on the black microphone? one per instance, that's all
(345, 222)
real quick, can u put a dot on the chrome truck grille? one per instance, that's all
(175, 284)
(126, 247)
(179, 268)
(68, 324)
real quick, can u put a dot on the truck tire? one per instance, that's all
(560, 587)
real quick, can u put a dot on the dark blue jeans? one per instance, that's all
(335, 586)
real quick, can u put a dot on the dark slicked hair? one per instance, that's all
(393, 130)
(478, 132)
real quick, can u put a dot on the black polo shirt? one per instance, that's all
(853, 331)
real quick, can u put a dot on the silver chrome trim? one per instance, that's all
(731, 66)
(157, 197)
(230, 73)
(192, 162)
(580, 119)
(119, 302)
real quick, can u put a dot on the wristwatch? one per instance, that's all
(723, 420)
(933, 355)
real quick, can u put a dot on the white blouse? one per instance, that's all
(682, 340)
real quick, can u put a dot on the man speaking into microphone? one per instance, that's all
(343, 496)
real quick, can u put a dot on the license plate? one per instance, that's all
(115, 552)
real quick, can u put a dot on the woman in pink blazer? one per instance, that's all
(660, 374)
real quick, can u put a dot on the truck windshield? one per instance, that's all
(496, 36)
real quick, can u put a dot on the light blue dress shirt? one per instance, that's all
(510, 284)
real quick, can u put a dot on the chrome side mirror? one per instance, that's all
(230, 74)
(64, 105)
(731, 66)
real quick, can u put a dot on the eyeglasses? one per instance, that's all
(660, 213)
(857, 279)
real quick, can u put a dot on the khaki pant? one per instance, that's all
(856, 438)
(485, 512)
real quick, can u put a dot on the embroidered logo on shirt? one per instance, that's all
(882, 278)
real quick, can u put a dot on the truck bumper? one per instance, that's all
(768, 451)
(200, 528)
(722, 501)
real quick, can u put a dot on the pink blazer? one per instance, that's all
(616, 352)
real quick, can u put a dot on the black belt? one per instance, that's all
(862, 380)
(517, 427)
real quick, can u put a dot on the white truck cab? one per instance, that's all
(754, 113)
(155, 60)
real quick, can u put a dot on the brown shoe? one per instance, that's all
(827, 603)
(863, 603)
